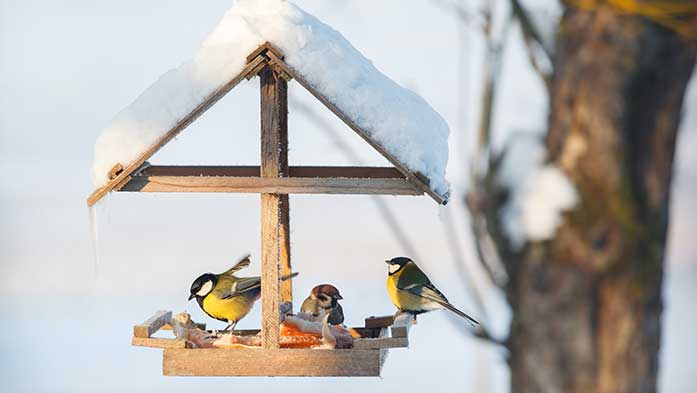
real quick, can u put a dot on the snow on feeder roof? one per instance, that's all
(277, 42)
(395, 121)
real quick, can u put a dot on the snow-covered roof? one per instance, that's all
(395, 118)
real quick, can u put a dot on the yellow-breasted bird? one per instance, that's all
(226, 297)
(324, 299)
(411, 291)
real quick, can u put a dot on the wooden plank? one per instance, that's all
(154, 342)
(199, 325)
(153, 324)
(274, 154)
(173, 132)
(379, 322)
(270, 273)
(379, 343)
(284, 185)
(420, 181)
(255, 71)
(256, 52)
(115, 171)
(293, 171)
(284, 250)
(262, 49)
(271, 362)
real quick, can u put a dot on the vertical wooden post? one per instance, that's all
(275, 240)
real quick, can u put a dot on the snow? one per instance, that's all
(396, 117)
(539, 192)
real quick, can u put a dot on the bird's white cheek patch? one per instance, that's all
(205, 289)
(393, 268)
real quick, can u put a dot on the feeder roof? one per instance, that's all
(394, 120)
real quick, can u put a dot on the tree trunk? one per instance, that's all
(587, 304)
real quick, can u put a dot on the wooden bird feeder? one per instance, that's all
(274, 180)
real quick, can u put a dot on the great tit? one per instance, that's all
(226, 297)
(412, 292)
(323, 300)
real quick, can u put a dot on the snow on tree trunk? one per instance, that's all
(587, 303)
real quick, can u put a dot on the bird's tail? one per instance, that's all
(466, 317)
(289, 276)
(241, 264)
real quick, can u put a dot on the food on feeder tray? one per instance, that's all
(324, 299)
(411, 291)
(226, 297)
(295, 332)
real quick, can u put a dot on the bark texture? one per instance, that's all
(587, 304)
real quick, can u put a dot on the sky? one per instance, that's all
(74, 281)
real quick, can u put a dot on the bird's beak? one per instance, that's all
(387, 261)
(193, 295)
(338, 297)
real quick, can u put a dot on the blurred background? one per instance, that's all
(74, 281)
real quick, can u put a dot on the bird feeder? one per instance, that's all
(274, 180)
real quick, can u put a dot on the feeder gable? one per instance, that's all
(134, 176)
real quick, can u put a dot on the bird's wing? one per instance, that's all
(309, 306)
(431, 293)
(240, 286)
(241, 264)
(412, 277)
(414, 281)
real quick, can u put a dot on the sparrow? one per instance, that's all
(323, 300)
(412, 292)
(226, 297)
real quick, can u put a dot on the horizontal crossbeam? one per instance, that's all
(360, 172)
(280, 185)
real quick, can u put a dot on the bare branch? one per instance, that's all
(529, 29)
(533, 42)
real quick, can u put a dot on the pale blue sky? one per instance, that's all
(69, 66)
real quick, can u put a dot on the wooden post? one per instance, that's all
(275, 241)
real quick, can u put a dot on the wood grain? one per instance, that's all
(379, 343)
(173, 132)
(272, 362)
(255, 171)
(153, 324)
(274, 160)
(379, 322)
(285, 185)
(155, 342)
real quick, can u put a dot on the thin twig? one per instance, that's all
(528, 26)
(481, 162)
(533, 40)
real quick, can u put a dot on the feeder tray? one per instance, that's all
(366, 358)
(274, 180)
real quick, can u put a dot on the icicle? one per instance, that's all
(95, 241)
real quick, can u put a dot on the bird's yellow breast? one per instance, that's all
(232, 309)
(403, 300)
